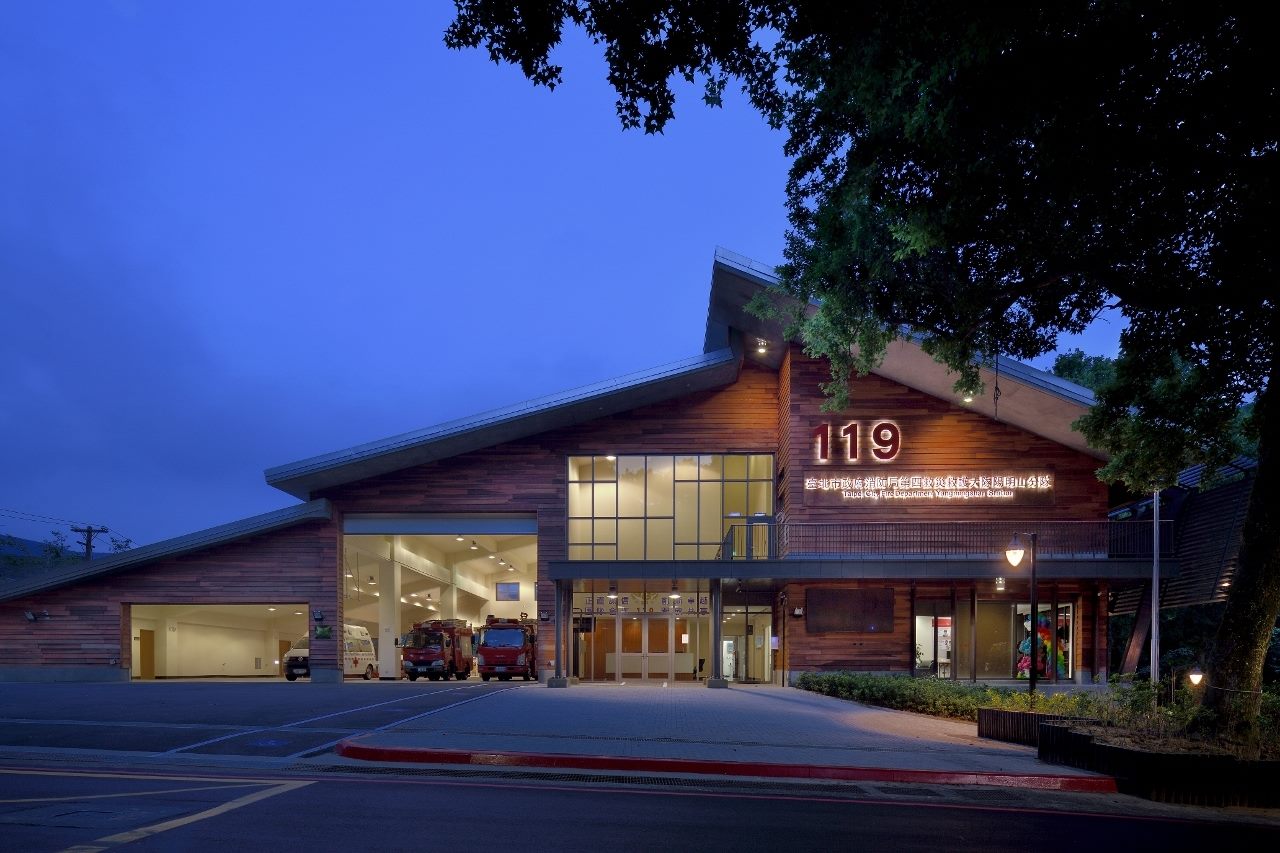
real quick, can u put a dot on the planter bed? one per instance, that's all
(1017, 726)
(1169, 777)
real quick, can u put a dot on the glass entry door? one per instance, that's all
(645, 650)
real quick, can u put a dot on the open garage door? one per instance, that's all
(213, 640)
(413, 573)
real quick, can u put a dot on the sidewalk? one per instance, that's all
(755, 730)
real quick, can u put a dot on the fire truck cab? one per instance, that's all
(507, 647)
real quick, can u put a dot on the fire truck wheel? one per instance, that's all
(461, 676)
(413, 676)
(368, 672)
(526, 676)
(290, 677)
(484, 676)
(504, 678)
(433, 677)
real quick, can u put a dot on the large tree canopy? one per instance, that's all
(987, 176)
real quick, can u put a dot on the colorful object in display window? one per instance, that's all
(1044, 645)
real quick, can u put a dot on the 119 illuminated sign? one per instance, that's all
(885, 439)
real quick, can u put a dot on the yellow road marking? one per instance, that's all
(157, 828)
(132, 794)
(103, 774)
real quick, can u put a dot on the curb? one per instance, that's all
(1041, 782)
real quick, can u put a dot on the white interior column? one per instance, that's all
(389, 614)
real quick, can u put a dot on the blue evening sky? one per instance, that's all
(236, 235)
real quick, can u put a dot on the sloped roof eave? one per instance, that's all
(702, 372)
(317, 510)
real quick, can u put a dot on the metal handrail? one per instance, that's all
(1091, 540)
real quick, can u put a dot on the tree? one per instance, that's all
(1094, 372)
(987, 176)
(55, 547)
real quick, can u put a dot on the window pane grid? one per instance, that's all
(660, 507)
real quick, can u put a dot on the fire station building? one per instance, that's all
(705, 521)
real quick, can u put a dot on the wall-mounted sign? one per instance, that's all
(933, 487)
(883, 441)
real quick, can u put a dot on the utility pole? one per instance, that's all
(89, 532)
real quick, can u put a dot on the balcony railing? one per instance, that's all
(1055, 540)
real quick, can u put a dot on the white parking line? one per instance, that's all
(236, 734)
(323, 746)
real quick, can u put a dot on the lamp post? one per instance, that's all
(1194, 675)
(1014, 555)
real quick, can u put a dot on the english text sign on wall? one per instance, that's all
(827, 487)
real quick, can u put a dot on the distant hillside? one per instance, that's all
(13, 547)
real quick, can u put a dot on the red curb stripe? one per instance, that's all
(1042, 782)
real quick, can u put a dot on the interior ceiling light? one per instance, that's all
(762, 346)
(675, 593)
(413, 595)
(611, 457)
(431, 607)
(613, 590)
(511, 568)
(459, 538)
(417, 604)
(272, 609)
(968, 399)
(474, 546)
(375, 592)
(493, 556)
(404, 600)
(372, 582)
(350, 575)
(297, 613)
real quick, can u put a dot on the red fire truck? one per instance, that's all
(438, 649)
(508, 647)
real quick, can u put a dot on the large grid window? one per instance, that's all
(663, 507)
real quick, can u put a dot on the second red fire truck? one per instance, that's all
(508, 647)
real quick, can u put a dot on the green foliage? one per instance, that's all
(1092, 371)
(922, 695)
(984, 177)
(1133, 708)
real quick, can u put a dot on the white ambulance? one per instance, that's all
(358, 657)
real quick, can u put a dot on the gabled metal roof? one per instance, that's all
(317, 510)
(709, 370)
(1030, 399)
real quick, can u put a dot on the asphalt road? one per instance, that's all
(278, 720)
(203, 765)
(68, 811)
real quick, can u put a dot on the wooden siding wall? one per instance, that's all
(891, 651)
(531, 475)
(937, 436)
(782, 461)
(88, 624)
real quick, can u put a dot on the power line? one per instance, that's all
(31, 516)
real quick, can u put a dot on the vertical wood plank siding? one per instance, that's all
(892, 651)
(531, 475)
(936, 435)
(762, 412)
(88, 622)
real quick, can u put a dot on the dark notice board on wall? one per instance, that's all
(866, 611)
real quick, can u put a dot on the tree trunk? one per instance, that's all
(1253, 603)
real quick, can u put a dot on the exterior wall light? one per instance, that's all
(1014, 554)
